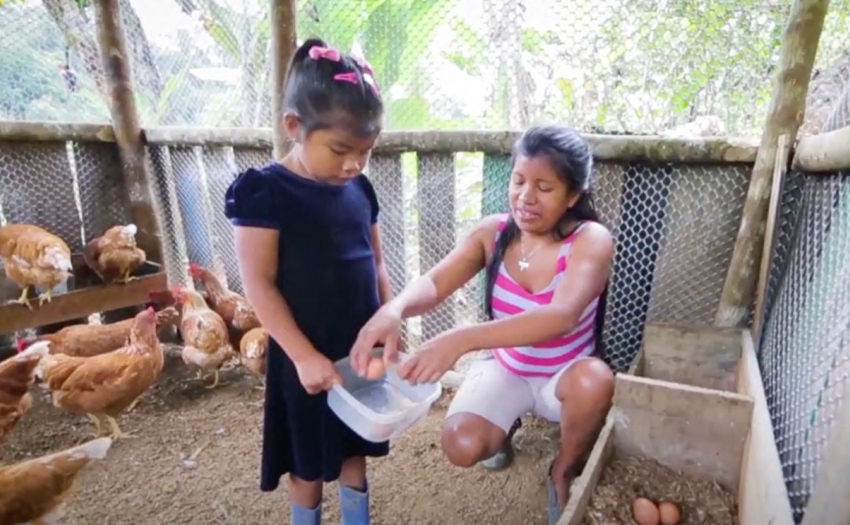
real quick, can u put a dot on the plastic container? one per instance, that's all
(381, 409)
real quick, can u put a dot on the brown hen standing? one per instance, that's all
(87, 340)
(206, 342)
(232, 307)
(114, 255)
(34, 491)
(17, 374)
(252, 351)
(35, 257)
(103, 386)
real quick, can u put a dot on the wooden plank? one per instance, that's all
(762, 494)
(697, 431)
(583, 486)
(85, 301)
(783, 151)
(384, 171)
(437, 235)
(702, 356)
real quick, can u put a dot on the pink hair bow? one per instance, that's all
(369, 76)
(347, 77)
(317, 52)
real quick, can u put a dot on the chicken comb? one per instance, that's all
(21, 344)
(150, 310)
(195, 269)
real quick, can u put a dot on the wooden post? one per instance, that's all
(283, 14)
(799, 47)
(128, 130)
(829, 503)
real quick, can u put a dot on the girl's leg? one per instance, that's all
(354, 492)
(482, 413)
(305, 501)
(579, 400)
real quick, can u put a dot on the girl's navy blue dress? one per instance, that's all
(327, 274)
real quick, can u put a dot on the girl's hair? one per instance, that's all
(571, 158)
(326, 88)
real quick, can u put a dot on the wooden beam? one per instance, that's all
(283, 13)
(825, 152)
(30, 131)
(783, 152)
(787, 108)
(762, 494)
(127, 128)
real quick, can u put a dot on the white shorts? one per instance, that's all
(500, 396)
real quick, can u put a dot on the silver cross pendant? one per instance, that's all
(523, 265)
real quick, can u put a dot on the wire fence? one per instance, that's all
(638, 67)
(805, 345)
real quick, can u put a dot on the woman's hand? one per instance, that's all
(383, 328)
(433, 359)
(317, 373)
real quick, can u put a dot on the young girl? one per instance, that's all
(547, 263)
(309, 253)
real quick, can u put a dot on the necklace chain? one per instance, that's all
(524, 261)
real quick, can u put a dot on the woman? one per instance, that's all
(547, 264)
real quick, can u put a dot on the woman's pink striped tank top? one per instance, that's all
(548, 358)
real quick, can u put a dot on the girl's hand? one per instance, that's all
(434, 358)
(317, 373)
(383, 328)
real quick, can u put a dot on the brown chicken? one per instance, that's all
(252, 351)
(232, 307)
(206, 344)
(114, 255)
(103, 386)
(17, 375)
(87, 340)
(34, 257)
(34, 491)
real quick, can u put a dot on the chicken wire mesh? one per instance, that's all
(443, 64)
(804, 353)
(674, 225)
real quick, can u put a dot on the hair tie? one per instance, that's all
(328, 53)
(347, 77)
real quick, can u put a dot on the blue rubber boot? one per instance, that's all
(304, 516)
(354, 505)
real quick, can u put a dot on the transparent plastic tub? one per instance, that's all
(381, 409)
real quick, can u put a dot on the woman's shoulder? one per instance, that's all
(593, 238)
(488, 228)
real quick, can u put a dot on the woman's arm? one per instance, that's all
(385, 287)
(589, 269)
(447, 276)
(256, 251)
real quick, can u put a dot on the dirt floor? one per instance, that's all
(195, 460)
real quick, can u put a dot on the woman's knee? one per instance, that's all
(591, 381)
(467, 439)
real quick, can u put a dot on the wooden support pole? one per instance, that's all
(127, 127)
(779, 169)
(787, 108)
(829, 503)
(283, 16)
